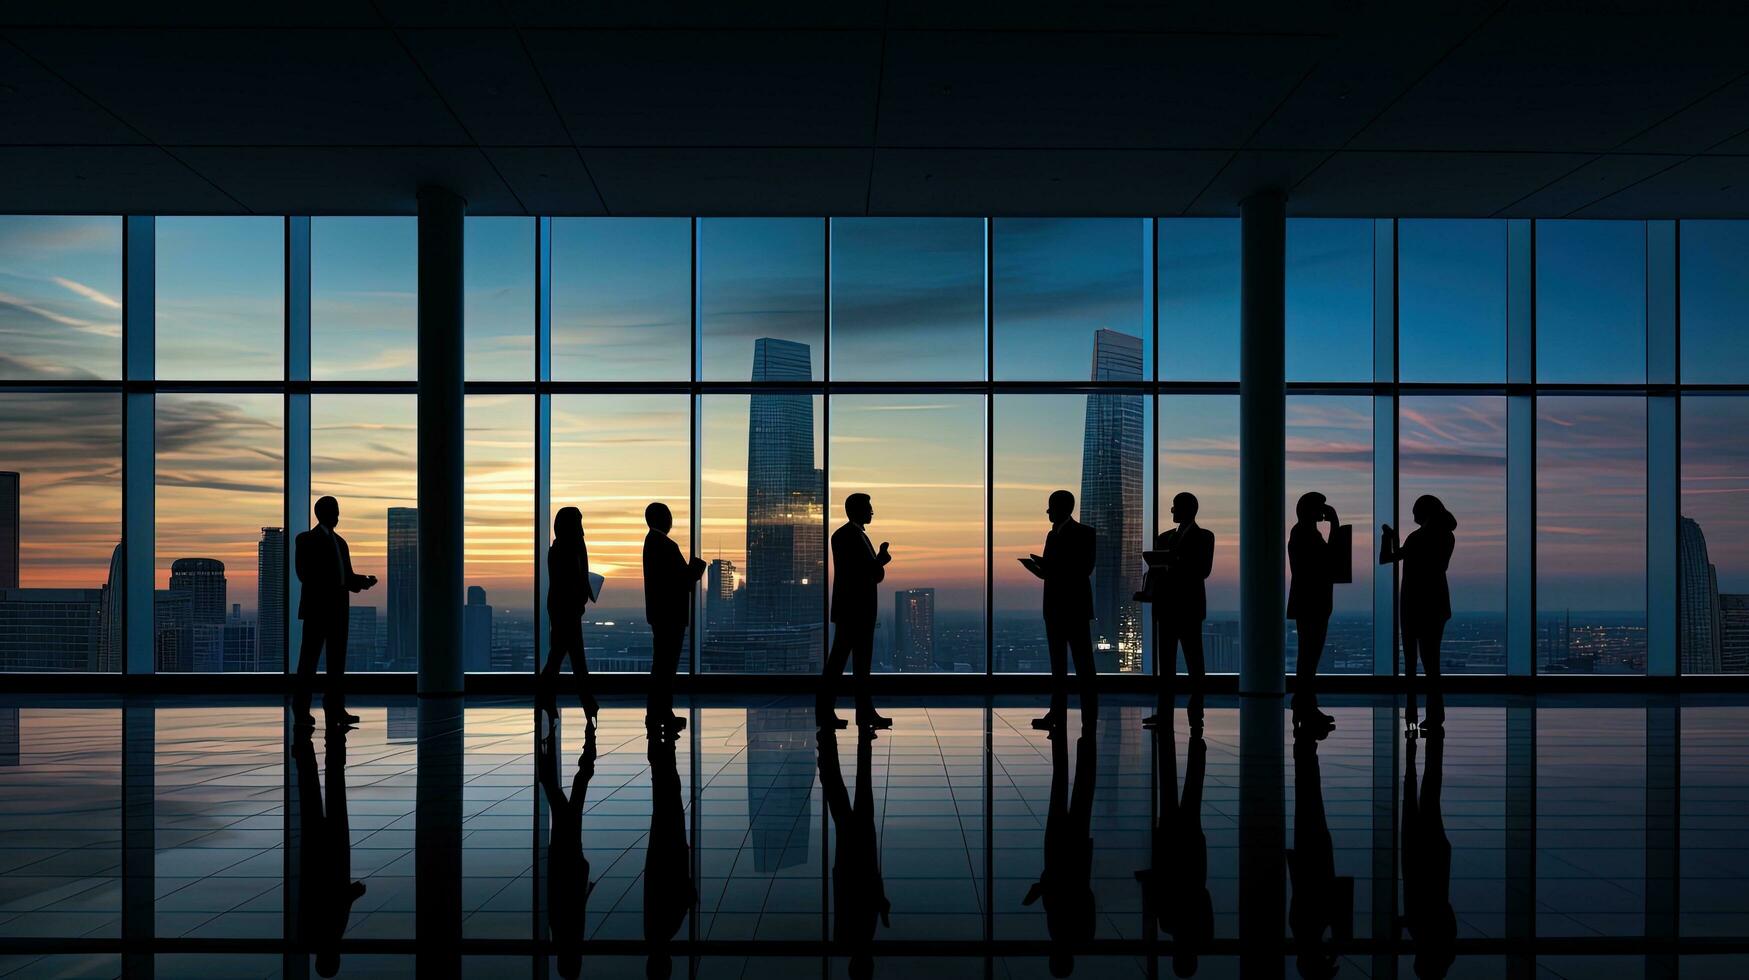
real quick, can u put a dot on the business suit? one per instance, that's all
(668, 582)
(1175, 892)
(1066, 881)
(859, 893)
(324, 568)
(326, 889)
(567, 594)
(1180, 598)
(1067, 568)
(857, 571)
(1310, 598)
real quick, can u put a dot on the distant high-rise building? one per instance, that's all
(476, 631)
(50, 629)
(111, 633)
(1111, 501)
(1697, 600)
(719, 594)
(271, 610)
(172, 631)
(203, 581)
(1220, 646)
(242, 651)
(401, 652)
(9, 530)
(914, 629)
(1734, 633)
(364, 641)
(781, 608)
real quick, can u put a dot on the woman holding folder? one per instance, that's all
(569, 589)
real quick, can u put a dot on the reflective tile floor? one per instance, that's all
(1578, 836)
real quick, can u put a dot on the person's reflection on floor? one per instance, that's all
(326, 888)
(859, 895)
(1321, 900)
(1427, 911)
(669, 894)
(1175, 891)
(568, 884)
(1066, 883)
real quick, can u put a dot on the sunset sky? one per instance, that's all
(907, 303)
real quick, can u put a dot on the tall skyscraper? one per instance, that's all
(914, 629)
(1734, 633)
(203, 580)
(780, 612)
(50, 629)
(9, 530)
(401, 652)
(1697, 600)
(271, 610)
(719, 594)
(364, 641)
(111, 634)
(476, 632)
(1111, 502)
(172, 631)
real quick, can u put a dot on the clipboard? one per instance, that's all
(1341, 552)
(595, 584)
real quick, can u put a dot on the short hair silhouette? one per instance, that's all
(1063, 499)
(856, 500)
(658, 514)
(1187, 503)
(1310, 508)
(327, 507)
(568, 524)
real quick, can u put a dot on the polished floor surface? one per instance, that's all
(1541, 837)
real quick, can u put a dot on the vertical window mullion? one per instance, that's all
(1663, 434)
(543, 426)
(297, 420)
(1384, 438)
(1520, 447)
(139, 506)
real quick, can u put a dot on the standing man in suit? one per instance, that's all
(857, 568)
(668, 582)
(1067, 570)
(1175, 588)
(324, 567)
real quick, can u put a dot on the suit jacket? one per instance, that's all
(1177, 589)
(324, 566)
(1310, 591)
(668, 579)
(1068, 568)
(855, 572)
(567, 579)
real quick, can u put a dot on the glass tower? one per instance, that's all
(402, 649)
(1111, 502)
(1697, 600)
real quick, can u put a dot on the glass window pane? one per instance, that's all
(1591, 535)
(1712, 587)
(1096, 447)
(1591, 301)
(1064, 286)
(1454, 447)
(1715, 302)
(364, 452)
(60, 297)
(1451, 300)
(1199, 298)
(920, 458)
(1199, 454)
(498, 544)
(612, 456)
(60, 473)
(622, 299)
(220, 480)
(907, 299)
(498, 298)
(364, 298)
(763, 521)
(221, 299)
(1329, 450)
(760, 277)
(1329, 300)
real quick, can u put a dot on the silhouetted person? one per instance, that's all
(567, 593)
(857, 568)
(859, 894)
(1427, 910)
(1321, 901)
(326, 889)
(668, 891)
(1067, 570)
(1425, 597)
(668, 582)
(324, 568)
(1180, 600)
(1310, 598)
(1066, 883)
(1175, 890)
(568, 884)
